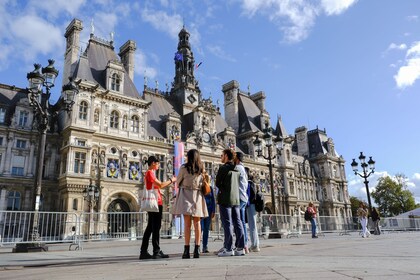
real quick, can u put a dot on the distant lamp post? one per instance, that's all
(39, 100)
(91, 195)
(278, 141)
(368, 169)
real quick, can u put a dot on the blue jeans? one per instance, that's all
(205, 227)
(313, 226)
(252, 222)
(231, 219)
(242, 211)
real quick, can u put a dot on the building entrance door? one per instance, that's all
(119, 219)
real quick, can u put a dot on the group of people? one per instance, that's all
(363, 215)
(235, 197)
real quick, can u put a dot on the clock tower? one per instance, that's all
(185, 90)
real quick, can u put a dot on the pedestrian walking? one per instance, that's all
(154, 220)
(362, 213)
(190, 200)
(376, 219)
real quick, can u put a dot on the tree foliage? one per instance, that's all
(392, 196)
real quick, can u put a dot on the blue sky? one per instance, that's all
(349, 66)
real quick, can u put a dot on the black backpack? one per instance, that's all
(259, 202)
(308, 215)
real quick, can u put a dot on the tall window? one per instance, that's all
(135, 124)
(2, 115)
(113, 123)
(20, 144)
(75, 203)
(23, 118)
(13, 201)
(83, 107)
(115, 82)
(79, 162)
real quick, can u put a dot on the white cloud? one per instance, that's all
(141, 68)
(220, 53)
(394, 46)
(334, 7)
(410, 72)
(163, 22)
(412, 18)
(55, 7)
(35, 35)
(294, 17)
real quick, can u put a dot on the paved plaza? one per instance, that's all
(388, 256)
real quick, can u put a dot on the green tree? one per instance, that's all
(392, 196)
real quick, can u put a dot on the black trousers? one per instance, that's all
(153, 228)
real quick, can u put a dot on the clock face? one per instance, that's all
(206, 137)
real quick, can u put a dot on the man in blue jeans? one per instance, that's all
(243, 194)
(228, 180)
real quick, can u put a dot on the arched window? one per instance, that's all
(83, 107)
(115, 82)
(13, 201)
(113, 123)
(135, 123)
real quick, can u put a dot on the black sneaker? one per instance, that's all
(160, 255)
(205, 250)
(145, 256)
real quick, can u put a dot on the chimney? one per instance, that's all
(127, 57)
(71, 55)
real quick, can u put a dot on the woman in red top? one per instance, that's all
(154, 218)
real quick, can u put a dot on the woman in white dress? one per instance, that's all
(190, 201)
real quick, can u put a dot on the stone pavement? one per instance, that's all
(388, 256)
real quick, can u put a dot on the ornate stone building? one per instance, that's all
(115, 126)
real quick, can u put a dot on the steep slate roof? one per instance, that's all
(280, 129)
(249, 114)
(158, 110)
(9, 97)
(92, 65)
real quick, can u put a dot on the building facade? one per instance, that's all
(114, 127)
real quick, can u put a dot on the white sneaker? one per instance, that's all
(225, 253)
(254, 249)
(239, 252)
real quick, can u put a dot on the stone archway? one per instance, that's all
(119, 221)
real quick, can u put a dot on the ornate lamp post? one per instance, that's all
(91, 195)
(39, 100)
(268, 138)
(366, 173)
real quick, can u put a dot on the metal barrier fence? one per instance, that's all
(75, 228)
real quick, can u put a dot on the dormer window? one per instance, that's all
(115, 82)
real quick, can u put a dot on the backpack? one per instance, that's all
(308, 215)
(229, 190)
(259, 202)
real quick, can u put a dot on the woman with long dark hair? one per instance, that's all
(190, 201)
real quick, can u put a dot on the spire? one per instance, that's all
(184, 63)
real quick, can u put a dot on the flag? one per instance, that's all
(178, 56)
(178, 160)
(198, 65)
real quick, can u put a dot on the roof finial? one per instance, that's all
(112, 36)
(92, 28)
